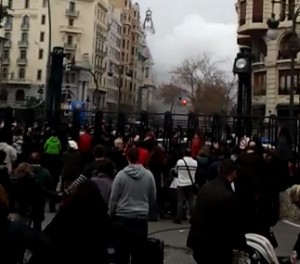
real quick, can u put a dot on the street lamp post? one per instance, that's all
(75, 67)
(272, 33)
(242, 67)
(120, 69)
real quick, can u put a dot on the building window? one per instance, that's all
(9, 21)
(27, 4)
(25, 20)
(71, 22)
(39, 75)
(4, 72)
(23, 54)
(22, 73)
(6, 54)
(44, 3)
(42, 36)
(147, 72)
(41, 54)
(20, 95)
(24, 37)
(7, 35)
(10, 4)
(260, 83)
(72, 6)
(285, 81)
(257, 11)
(291, 7)
(70, 40)
(43, 19)
(243, 11)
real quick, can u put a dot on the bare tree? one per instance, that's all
(171, 94)
(205, 83)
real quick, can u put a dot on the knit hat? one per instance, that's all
(73, 145)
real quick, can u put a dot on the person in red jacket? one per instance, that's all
(85, 146)
(144, 154)
(196, 145)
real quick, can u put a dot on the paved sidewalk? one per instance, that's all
(175, 236)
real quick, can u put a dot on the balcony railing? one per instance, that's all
(7, 44)
(69, 46)
(286, 91)
(8, 26)
(259, 92)
(16, 81)
(21, 61)
(23, 44)
(6, 61)
(25, 26)
(72, 13)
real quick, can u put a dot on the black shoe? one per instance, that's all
(177, 222)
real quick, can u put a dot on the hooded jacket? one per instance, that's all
(133, 191)
(52, 146)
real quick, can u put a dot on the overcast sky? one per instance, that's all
(188, 28)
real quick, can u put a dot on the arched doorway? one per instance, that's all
(20, 95)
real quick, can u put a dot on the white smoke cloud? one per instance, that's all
(189, 28)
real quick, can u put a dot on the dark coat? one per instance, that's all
(256, 194)
(80, 231)
(16, 237)
(215, 228)
(71, 167)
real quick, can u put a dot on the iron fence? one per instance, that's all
(168, 126)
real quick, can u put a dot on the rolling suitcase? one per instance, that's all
(154, 251)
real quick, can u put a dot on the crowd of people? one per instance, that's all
(104, 196)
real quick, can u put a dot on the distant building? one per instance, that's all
(97, 36)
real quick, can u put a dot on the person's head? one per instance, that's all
(204, 151)
(119, 144)
(197, 135)
(53, 133)
(227, 170)
(4, 205)
(99, 151)
(35, 158)
(133, 155)
(2, 156)
(187, 153)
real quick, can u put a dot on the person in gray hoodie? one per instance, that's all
(133, 192)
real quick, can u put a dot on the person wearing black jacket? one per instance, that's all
(80, 232)
(215, 226)
(16, 238)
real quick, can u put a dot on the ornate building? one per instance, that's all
(271, 77)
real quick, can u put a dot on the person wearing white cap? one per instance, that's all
(71, 161)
